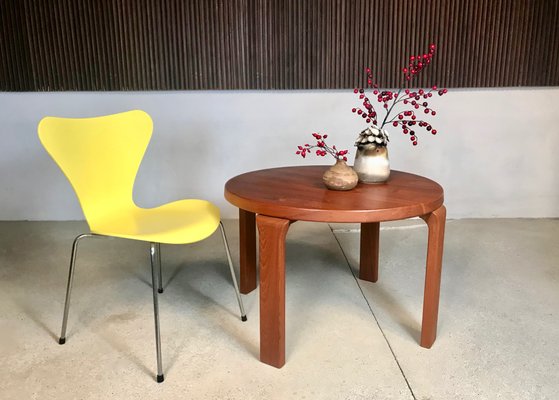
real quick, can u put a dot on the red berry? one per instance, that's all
(355, 91)
(412, 138)
(414, 143)
(433, 113)
(359, 112)
(434, 131)
(353, 110)
(395, 123)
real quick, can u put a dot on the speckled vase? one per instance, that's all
(372, 164)
(340, 176)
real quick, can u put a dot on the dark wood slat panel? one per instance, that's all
(58, 45)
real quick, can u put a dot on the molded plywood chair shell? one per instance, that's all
(100, 157)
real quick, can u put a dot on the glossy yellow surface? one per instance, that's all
(100, 157)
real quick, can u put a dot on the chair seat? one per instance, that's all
(179, 222)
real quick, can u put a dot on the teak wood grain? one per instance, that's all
(368, 257)
(272, 232)
(298, 194)
(274, 198)
(247, 237)
(436, 224)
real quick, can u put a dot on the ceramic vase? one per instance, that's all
(371, 158)
(372, 164)
(340, 176)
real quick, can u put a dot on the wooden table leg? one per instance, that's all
(368, 259)
(247, 239)
(272, 232)
(436, 224)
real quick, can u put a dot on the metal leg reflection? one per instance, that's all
(240, 301)
(62, 339)
(158, 249)
(153, 256)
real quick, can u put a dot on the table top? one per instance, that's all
(298, 194)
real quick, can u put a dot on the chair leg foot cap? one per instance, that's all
(160, 378)
(61, 340)
(243, 318)
(160, 290)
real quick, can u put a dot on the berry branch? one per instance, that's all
(321, 148)
(411, 99)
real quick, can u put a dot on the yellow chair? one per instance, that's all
(100, 157)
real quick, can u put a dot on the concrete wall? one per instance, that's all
(495, 154)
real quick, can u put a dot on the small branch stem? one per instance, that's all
(390, 109)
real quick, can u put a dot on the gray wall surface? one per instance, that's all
(495, 153)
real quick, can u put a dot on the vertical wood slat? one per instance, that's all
(273, 44)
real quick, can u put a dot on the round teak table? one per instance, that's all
(274, 198)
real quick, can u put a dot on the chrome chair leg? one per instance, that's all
(153, 257)
(62, 338)
(158, 249)
(243, 314)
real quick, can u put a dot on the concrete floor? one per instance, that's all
(346, 339)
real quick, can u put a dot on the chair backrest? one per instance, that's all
(100, 156)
